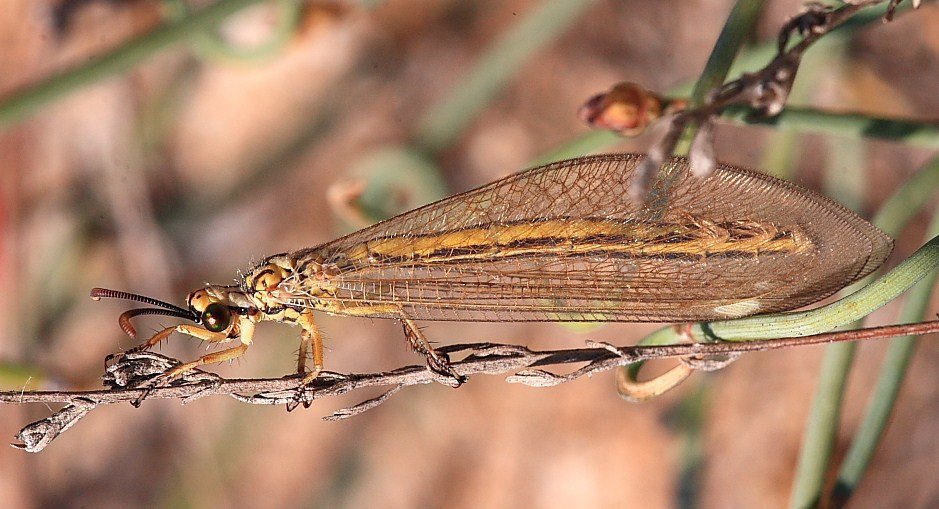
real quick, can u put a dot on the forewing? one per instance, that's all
(565, 276)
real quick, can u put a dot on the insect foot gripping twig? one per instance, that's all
(144, 370)
(437, 361)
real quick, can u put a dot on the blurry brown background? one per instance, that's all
(191, 167)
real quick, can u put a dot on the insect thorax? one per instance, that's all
(288, 280)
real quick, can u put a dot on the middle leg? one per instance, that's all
(311, 340)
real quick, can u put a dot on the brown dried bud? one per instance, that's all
(627, 109)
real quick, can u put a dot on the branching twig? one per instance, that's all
(525, 365)
(765, 90)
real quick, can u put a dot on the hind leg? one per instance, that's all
(438, 362)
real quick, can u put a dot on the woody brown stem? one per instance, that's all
(525, 366)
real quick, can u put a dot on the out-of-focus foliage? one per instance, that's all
(186, 169)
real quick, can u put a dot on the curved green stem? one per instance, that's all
(895, 212)
(884, 396)
(824, 415)
(815, 321)
(741, 21)
(846, 310)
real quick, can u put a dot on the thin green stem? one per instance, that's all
(211, 46)
(909, 199)
(824, 415)
(792, 119)
(692, 417)
(844, 311)
(884, 396)
(815, 321)
(739, 24)
(849, 125)
(821, 427)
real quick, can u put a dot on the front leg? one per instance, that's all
(203, 334)
(189, 330)
(219, 356)
(246, 334)
(153, 341)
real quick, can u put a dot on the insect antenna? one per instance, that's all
(126, 326)
(124, 320)
(98, 293)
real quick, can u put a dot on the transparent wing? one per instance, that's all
(563, 242)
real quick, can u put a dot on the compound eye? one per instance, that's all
(216, 317)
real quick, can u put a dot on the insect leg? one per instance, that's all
(197, 332)
(310, 339)
(200, 333)
(153, 341)
(438, 362)
(246, 334)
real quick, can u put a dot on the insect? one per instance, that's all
(561, 242)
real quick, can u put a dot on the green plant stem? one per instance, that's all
(793, 119)
(825, 413)
(824, 416)
(739, 24)
(444, 123)
(211, 46)
(692, 417)
(895, 212)
(844, 311)
(821, 427)
(884, 397)
(909, 199)
(21, 104)
(819, 320)
(849, 125)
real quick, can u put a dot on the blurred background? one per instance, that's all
(190, 155)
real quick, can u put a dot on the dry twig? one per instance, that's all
(526, 366)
